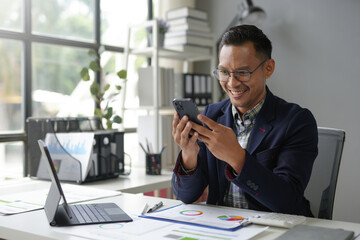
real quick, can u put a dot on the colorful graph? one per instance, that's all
(191, 213)
(72, 143)
(230, 218)
(57, 163)
(72, 147)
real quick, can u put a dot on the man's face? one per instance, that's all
(244, 95)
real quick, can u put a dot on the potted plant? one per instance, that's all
(163, 28)
(103, 109)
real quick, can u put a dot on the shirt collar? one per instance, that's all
(250, 114)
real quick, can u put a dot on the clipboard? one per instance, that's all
(215, 217)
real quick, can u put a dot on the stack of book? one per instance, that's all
(189, 31)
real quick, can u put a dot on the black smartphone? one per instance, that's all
(186, 106)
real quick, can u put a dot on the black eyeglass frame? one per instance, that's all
(216, 73)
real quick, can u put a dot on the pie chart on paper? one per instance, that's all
(230, 218)
(191, 213)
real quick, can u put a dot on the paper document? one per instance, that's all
(204, 215)
(71, 153)
(79, 145)
(35, 199)
(148, 229)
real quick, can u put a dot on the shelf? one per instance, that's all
(155, 53)
(172, 54)
(169, 110)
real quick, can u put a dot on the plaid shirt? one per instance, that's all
(235, 196)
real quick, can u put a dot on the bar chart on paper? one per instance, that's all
(77, 144)
(69, 152)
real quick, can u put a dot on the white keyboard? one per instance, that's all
(278, 220)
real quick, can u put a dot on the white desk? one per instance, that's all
(34, 225)
(136, 182)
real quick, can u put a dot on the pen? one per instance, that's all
(145, 209)
(147, 145)
(162, 149)
(142, 147)
(155, 207)
(244, 222)
(153, 159)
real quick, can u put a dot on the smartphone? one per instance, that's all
(186, 106)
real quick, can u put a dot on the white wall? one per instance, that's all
(317, 54)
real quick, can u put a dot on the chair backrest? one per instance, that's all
(322, 185)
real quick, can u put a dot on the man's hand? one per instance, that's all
(181, 129)
(221, 142)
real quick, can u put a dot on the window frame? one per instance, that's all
(28, 38)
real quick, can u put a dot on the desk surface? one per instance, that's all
(34, 225)
(137, 182)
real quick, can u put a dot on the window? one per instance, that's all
(54, 81)
(43, 46)
(69, 19)
(10, 85)
(115, 16)
(11, 17)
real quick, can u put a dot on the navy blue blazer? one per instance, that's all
(279, 157)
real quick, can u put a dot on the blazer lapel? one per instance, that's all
(258, 133)
(262, 125)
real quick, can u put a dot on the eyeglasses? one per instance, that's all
(240, 75)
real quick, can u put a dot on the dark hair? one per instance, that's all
(241, 34)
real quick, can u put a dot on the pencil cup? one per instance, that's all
(153, 164)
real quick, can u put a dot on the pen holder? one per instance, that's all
(153, 163)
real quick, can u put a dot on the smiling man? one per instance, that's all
(255, 150)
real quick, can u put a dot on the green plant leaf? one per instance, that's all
(107, 86)
(109, 113)
(94, 89)
(117, 119)
(94, 66)
(85, 74)
(103, 111)
(92, 53)
(122, 74)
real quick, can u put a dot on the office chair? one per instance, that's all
(322, 185)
